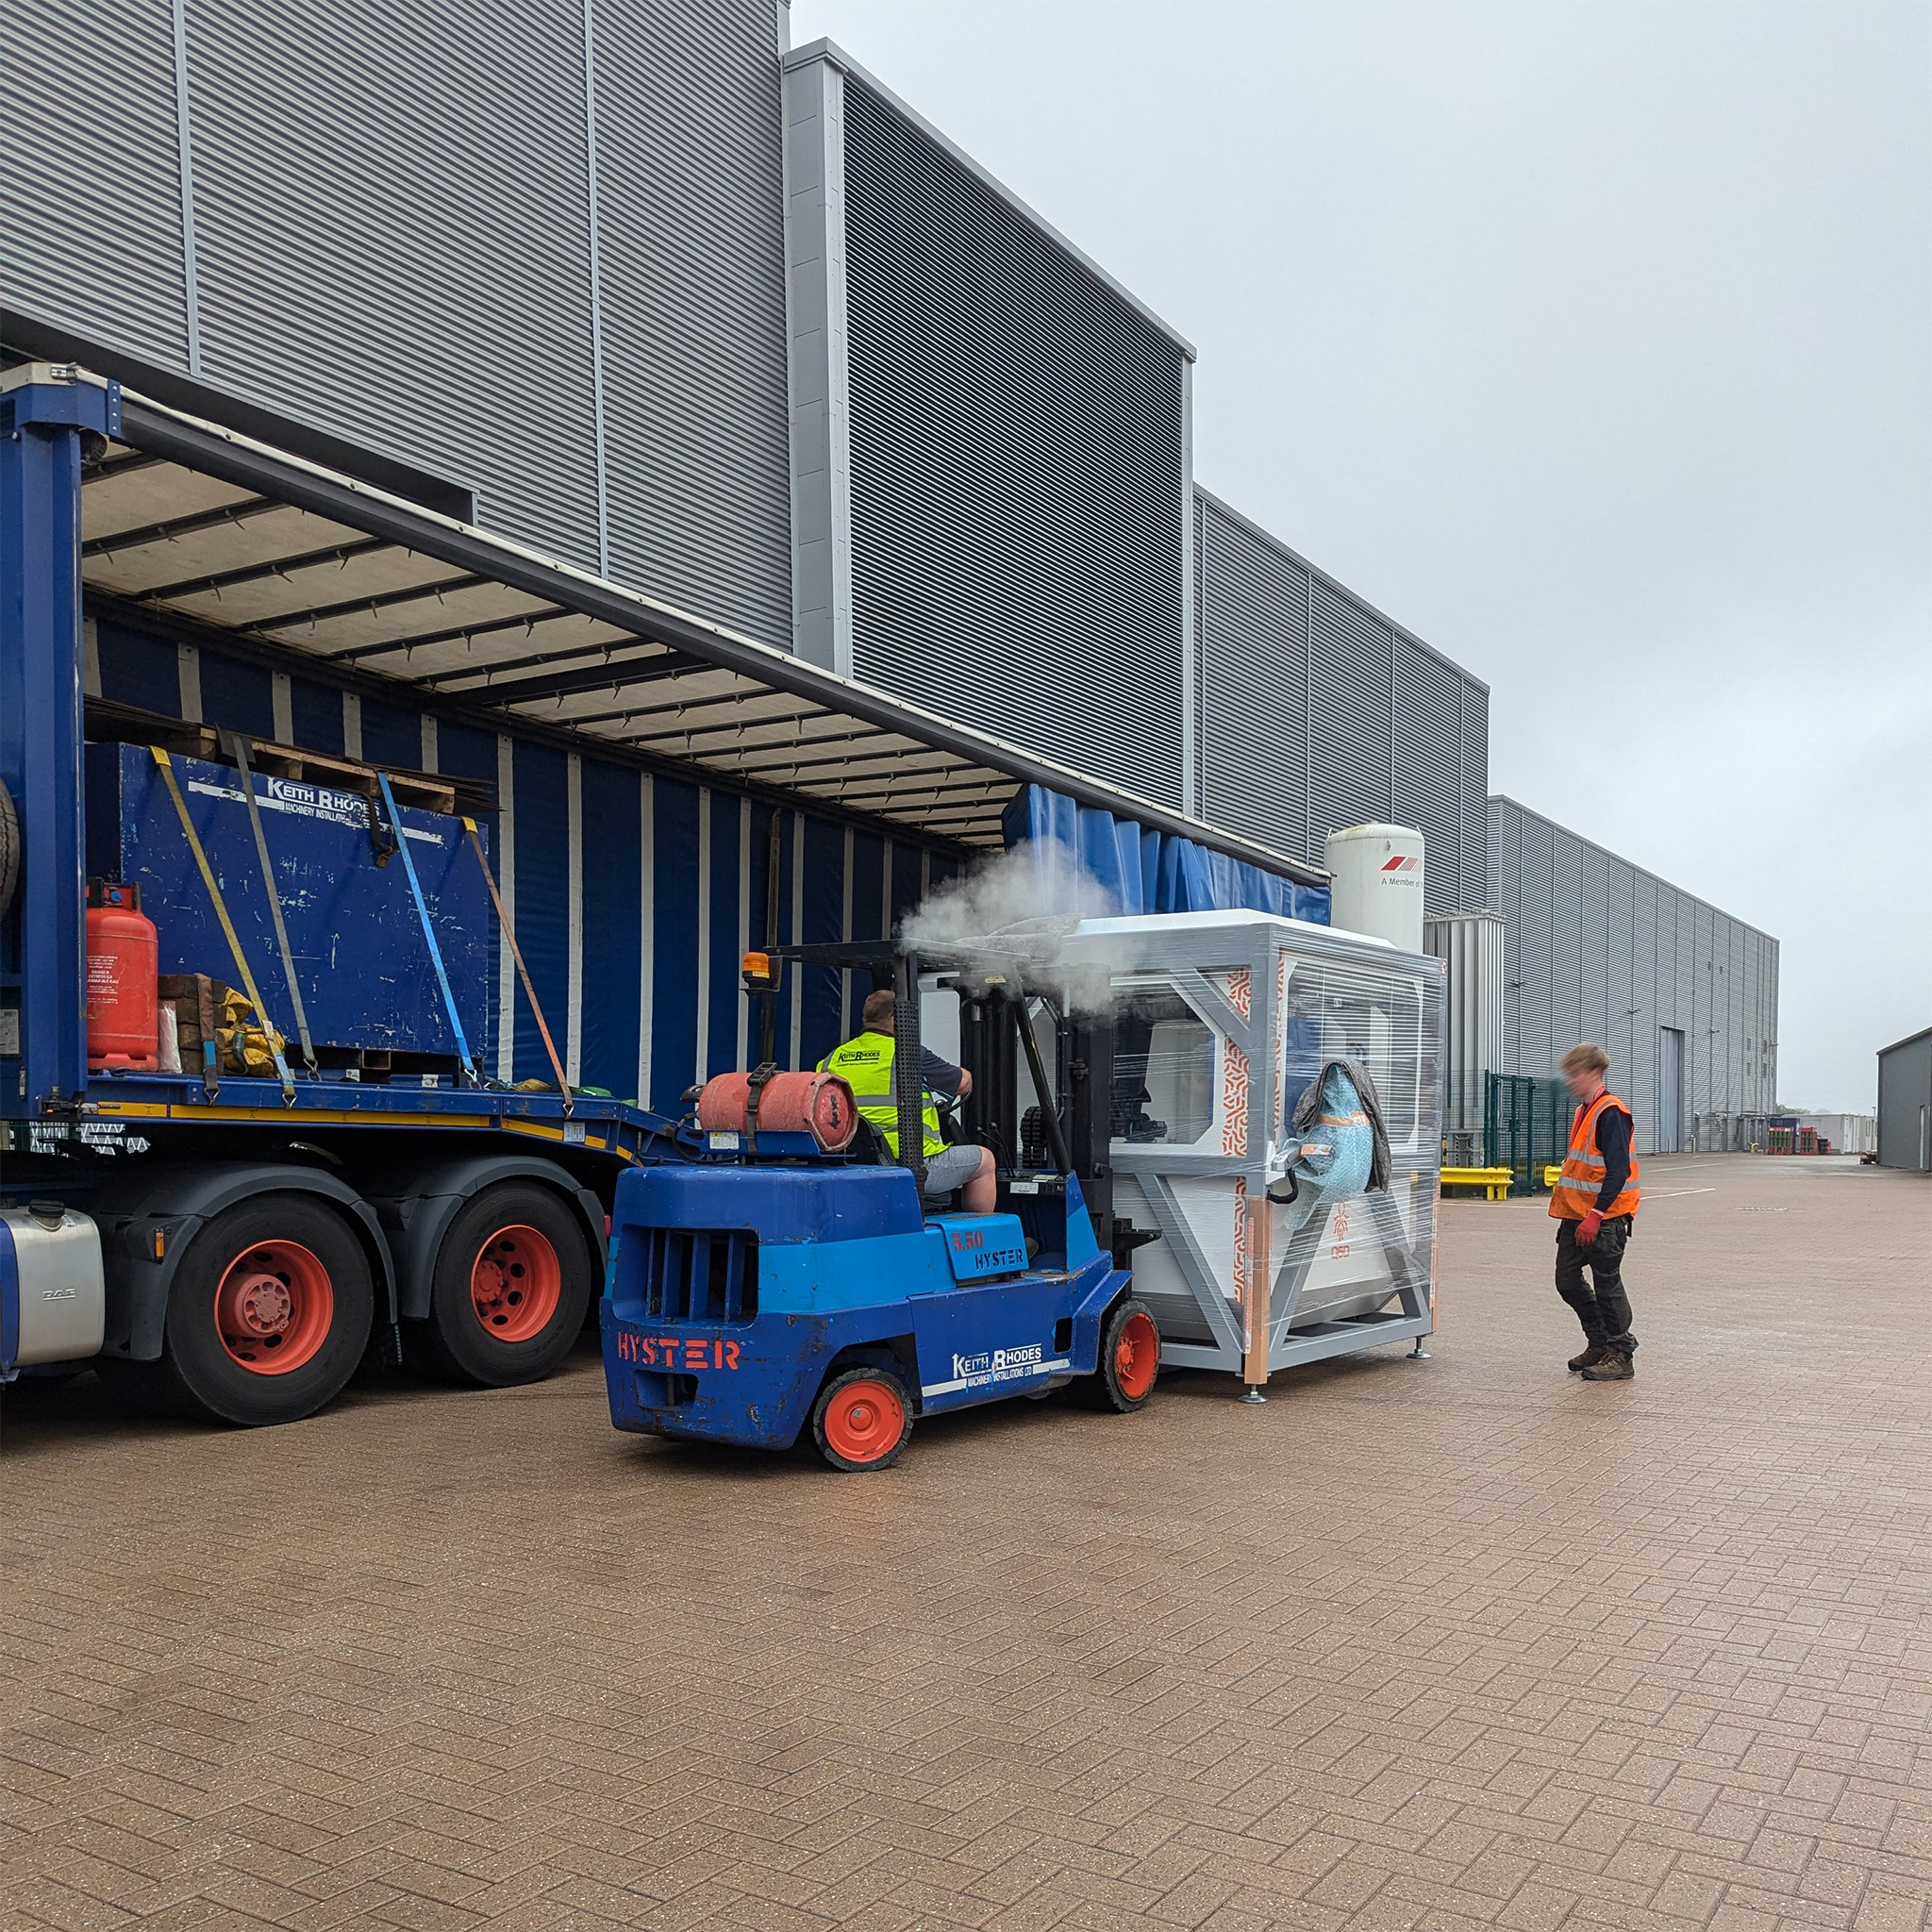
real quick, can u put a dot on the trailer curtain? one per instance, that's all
(1141, 870)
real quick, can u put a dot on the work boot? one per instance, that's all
(1616, 1366)
(1591, 1354)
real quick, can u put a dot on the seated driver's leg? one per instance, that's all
(981, 1194)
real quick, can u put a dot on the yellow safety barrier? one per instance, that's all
(1493, 1181)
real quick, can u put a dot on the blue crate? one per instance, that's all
(365, 966)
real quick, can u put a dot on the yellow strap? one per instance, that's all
(214, 893)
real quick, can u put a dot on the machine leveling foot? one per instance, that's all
(1418, 1353)
(1251, 1394)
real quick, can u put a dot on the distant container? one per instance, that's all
(1849, 1133)
(1378, 885)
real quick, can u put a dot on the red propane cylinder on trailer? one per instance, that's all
(123, 980)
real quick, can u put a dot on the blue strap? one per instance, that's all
(449, 999)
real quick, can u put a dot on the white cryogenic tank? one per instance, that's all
(1377, 884)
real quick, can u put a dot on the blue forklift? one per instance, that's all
(793, 1275)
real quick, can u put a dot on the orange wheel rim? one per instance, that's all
(1136, 1355)
(516, 1282)
(274, 1307)
(864, 1421)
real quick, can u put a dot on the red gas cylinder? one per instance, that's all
(819, 1105)
(123, 986)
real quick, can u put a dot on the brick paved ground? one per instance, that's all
(1456, 1643)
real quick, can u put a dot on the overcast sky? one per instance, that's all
(1591, 341)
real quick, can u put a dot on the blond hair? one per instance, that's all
(1585, 1054)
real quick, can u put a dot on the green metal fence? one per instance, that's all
(1526, 1126)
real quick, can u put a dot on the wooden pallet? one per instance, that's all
(426, 790)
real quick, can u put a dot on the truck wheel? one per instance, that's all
(1129, 1360)
(512, 1283)
(268, 1316)
(861, 1420)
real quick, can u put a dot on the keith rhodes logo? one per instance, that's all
(989, 1366)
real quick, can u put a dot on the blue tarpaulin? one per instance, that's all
(1141, 870)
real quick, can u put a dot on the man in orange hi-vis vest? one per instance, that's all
(1595, 1206)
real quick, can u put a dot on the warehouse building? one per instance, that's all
(1683, 996)
(738, 329)
(732, 327)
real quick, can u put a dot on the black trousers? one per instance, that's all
(1603, 1309)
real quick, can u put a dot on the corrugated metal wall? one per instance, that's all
(1315, 712)
(92, 235)
(1599, 949)
(632, 895)
(1015, 446)
(391, 239)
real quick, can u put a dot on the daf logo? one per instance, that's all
(60, 1294)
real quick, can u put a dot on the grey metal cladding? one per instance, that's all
(89, 174)
(1252, 641)
(692, 258)
(1597, 947)
(1350, 724)
(1475, 748)
(1017, 468)
(1426, 789)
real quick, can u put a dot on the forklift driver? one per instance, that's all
(866, 1065)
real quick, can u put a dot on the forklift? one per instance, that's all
(794, 1274)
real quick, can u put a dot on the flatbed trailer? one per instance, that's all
(216, 1242)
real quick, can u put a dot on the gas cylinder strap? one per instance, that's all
(449, 999)
(522, 970)
(236, 745)
(214, 893)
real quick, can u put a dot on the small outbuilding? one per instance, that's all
(1904, 1103)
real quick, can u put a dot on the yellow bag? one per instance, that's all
(246, 1049)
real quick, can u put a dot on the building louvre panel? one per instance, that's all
(1427, 790)
(1475, 793)
(692, 251)
(94, 247)
(1252, 628)
(1350, 736)
(394, 246)
(1017, 451)
(343, 275)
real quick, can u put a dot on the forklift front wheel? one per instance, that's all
(1129, 1358)
(861, 1420)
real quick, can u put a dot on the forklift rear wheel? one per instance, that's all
(268, 1317)
(1129, 1358)
(862, 1420)
(512, 1283)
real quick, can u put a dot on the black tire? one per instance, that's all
(199, 1374)
(1124, 1379)
(845, 1445)
(454, 1345)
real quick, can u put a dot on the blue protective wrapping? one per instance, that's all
(1142, 869)
(364, 968)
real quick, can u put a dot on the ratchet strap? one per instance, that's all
(236, 745)
(522, 970)
(214, 893)
(449, 999)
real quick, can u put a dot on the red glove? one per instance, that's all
(1589, 1229)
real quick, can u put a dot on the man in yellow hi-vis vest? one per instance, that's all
(866, 1066)
(1595, 1203)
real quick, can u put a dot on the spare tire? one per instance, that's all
(9, 850)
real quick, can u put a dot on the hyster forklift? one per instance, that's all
(795, 1274)
(1258, 1097)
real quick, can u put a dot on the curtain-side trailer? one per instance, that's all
(232, 1239)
